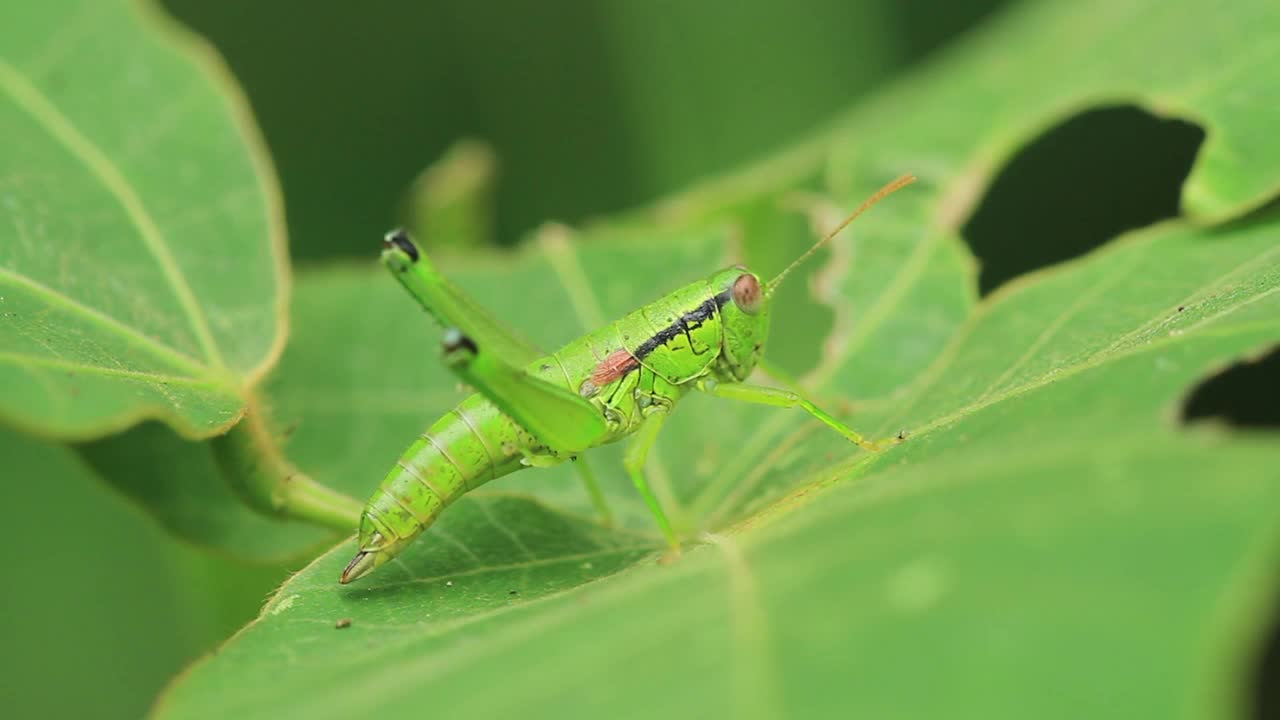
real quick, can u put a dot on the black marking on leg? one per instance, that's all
(616, 387)
(454, 340)
(400, 239)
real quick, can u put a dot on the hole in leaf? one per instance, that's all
(1092, 177)
(1243, 395)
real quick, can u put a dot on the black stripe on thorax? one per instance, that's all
(689, 321)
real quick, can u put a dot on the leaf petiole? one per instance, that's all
(251, 463)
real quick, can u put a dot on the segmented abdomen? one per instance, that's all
(471, 445)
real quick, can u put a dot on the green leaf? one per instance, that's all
(1063, 499)
(142, 266)
(1049, 542)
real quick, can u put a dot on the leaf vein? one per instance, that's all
(157, 378)
(29, 98)
(160, 350)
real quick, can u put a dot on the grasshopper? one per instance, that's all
(531, 409)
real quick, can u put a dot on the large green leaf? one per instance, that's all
(141, 250)
(142, 266)
(1059, 532)
(1048, 543)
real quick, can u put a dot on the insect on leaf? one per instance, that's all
(1049, 535)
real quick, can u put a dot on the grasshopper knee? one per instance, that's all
(399, 239)
(454, 341)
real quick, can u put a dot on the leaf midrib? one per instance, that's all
(1112, 351)
(71, 365)
(159, 350)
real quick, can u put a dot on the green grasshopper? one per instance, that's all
(622, 380)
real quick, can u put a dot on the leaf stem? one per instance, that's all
(251, 463)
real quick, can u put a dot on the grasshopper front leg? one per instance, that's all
(588, 477)
(788, 399)
(634, 460)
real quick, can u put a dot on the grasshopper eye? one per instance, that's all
(746, 293)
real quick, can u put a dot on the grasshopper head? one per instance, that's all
(745, 313)
(745, 318)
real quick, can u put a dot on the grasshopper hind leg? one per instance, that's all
(562, 421)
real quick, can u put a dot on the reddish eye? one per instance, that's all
(746, 293)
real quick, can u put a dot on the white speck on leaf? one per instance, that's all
(284, 604)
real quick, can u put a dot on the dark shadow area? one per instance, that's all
(589, 107)
(924, 26)
(1094, 176)
(1247, 394)
(354, 101)
(1266, 683)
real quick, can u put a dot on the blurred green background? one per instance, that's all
(590, 107)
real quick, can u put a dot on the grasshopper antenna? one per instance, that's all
(899, 183)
